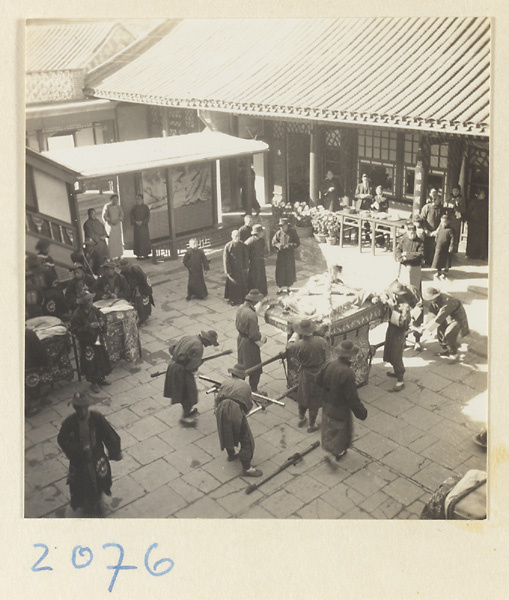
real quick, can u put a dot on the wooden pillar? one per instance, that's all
(216, 179)
(171, 217)
(400, 171)
(314, 165)
(421, 174)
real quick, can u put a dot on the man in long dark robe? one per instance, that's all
(430, 220)
(87, 325)
(179, 384)
(236, 265)
(140, 218)
(111, 284)
(455, 207)
(196, 263)
(233, 404)
(255, 244)
(450, 321)
(311, 353)
(395, 337)
(82, 438)
(247, 229)
(478, 225)
(140, 290)
(410, 254)
(249, 337)
(340, 400)
(247, 178)
(331, 192)
(95, 231)
(285, 241)
(444, 248)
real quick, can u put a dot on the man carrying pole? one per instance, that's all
(310, 352)
(232, 406)
(250, 339)
(179, 384)
(340, 400)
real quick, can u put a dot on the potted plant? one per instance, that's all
(281, 209)
(319, 221)
(334, 229)
(302, 219)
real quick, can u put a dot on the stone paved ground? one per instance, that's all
(409, 444)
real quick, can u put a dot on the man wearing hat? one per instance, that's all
(255, 244)
(236, 265)
(111, 284)
(140, 290)
(410, 255)
(400, 301)
(450, 321)
(91, 258)
(179, 384)
(285, 241)
(340, 400)
(82, 438)
(80, 281)
(249, 337)
(87, 325)
(310, 354)
(233, 403)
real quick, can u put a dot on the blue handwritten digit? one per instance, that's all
(119, 566)
(35, 568)
(162, 560)
(82, 551)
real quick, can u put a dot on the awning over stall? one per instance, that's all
(138, 155)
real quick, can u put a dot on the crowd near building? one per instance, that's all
(260, 140)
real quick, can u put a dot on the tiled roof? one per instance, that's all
(67, 46)
(137, 155)
(426, 73)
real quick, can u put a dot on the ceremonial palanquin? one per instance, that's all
(339, 311)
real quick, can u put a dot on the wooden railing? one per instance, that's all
(210, 238)
(50, 228)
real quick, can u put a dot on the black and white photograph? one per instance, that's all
(257, 268)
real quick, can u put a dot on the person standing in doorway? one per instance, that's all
(113, 216)
(247, 178)
(140, 217)
(331, 192)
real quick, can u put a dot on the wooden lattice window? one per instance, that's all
(294, 127)
(278, 130)
(333, 138)
(377, 144)
(412, 141)
(438, 155)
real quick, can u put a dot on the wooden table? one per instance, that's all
(381, 225)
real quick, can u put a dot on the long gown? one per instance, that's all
(141, 241)
(112, 217)
(196, 262)
(236, 263)
(285, 261)
(95, 230)
(256, 277)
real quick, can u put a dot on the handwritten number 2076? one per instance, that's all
(82, 557)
